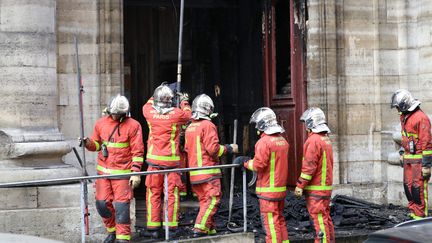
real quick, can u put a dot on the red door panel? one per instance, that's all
(284, 86)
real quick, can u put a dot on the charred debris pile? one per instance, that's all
(350, 216)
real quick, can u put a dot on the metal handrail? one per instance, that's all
(126, 175)
(91, 177)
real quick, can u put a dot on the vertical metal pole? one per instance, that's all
(166, 206)
(180, 47)
(231, 193)
(83, 189)
(244, 202)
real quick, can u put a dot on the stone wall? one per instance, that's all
(359, 52)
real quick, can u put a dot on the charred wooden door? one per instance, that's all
(284, 85)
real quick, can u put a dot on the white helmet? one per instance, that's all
(119, 105)
(404, 101)
(163, 96)
(202, 107)
(315, 120)
(265, 121)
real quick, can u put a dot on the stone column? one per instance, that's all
(31, 146)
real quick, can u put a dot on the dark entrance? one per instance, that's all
(222, 57)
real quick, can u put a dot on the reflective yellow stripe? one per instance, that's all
(212, 232)
(285, 241)
(160, 157)
(272, 227)
(425, 195)
(205, 172)
(250, 165)
(116, 145)
(271, 189)
(413, 216)
(322, 227)
(412, 156)
(319, 188)
(202, 225)
(324, 170)
(123, 237)
(149, 211)
(183, 193)
(151, 102)
(97, 145)
(111, 171)
(176, 199)
(199, 154)
(404, 134)
(110, 230)
(137, 159)
(272, 169)
(173, 145)
(305, 176)
(221, 150)
(427, 152)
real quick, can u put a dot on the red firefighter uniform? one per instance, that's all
(316, 180)
(124, 143)
(163, 152)
(416, 128)
(271, 164)
(203, 149)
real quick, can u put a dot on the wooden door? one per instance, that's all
(284, 85)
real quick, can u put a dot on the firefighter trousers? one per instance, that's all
(273, 220)
(155, 190)
(209, 194)
(113, 205)
(319, 211)
(416, 190)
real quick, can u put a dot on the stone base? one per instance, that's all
(52, 212)
(19, 174)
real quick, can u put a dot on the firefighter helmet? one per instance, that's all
(163, 96)
(265, 121)
(118, 105)
(202, 107)
(315, 120)
(404, 101)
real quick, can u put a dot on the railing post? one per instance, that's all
(166, 206)
(244, 202)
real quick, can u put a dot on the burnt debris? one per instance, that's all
(350, 216)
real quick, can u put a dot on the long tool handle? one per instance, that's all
(84, 191)
(180, 49)
(231, 196)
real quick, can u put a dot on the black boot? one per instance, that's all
(197, 234)
(110, 238)
(122, 241)
(154, 234)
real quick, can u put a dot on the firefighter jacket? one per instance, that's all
(317, 166)
(203, 149)
(163, 147)
(416, 131)
(271, 164)
(124, 144)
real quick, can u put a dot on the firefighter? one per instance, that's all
(118, 140)
(203, 149)
(271, 164)
(163, 152)
(416, 151)
(316, 176)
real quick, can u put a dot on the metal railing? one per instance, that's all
(165, 172)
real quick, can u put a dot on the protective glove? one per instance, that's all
(134, 181)
(183, 96)
(426, 173)
(298, 192)
(83, 141)
(234, 148)
(240, 160)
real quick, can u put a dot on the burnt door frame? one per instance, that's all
(289, 107)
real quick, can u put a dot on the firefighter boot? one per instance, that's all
(110, 238)
(154, 234)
